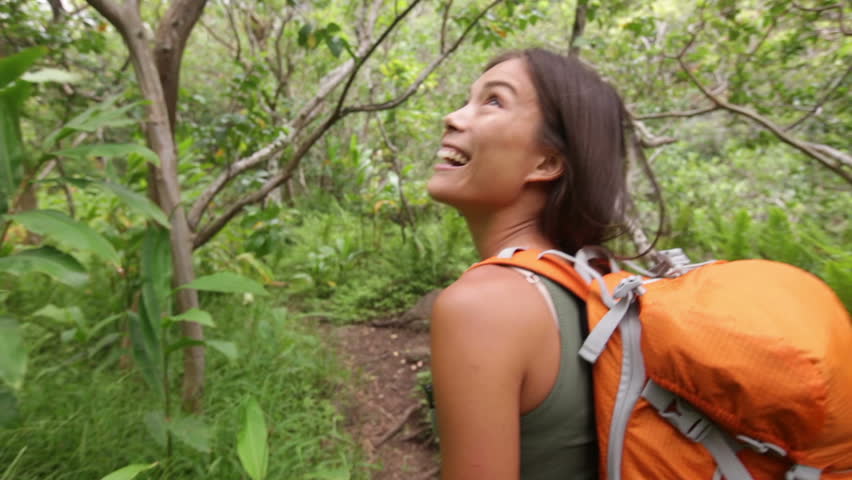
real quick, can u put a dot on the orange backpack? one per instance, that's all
(737, 370)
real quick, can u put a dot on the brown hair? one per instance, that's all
(583, 122)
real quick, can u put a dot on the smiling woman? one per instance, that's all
(534, 159)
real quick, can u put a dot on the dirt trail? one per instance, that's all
(387, 413)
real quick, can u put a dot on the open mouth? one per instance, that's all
(453, 156)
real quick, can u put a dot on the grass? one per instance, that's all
(86, 419)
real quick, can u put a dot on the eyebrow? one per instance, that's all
(499, 83)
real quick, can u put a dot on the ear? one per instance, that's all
(549, 167)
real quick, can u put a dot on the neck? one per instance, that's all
(513, 227)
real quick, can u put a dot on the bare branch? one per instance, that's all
(170, 40)
(363, 58)
(677, 114)
(444, 18)
(305, 115)
(206, 233)
(804, 147)
(347, 70)
(829, 91)
(578, 27)
(840, 157)
(423, 74)
(841, 24)
(111, 12)
(215, 36)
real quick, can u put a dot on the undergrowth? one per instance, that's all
(85, 418)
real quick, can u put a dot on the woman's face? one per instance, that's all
(491, 145)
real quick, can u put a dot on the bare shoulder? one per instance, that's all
(490, 289)
(493, 302)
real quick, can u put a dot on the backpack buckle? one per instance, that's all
(692, 423)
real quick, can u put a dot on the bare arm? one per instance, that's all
(481, 346)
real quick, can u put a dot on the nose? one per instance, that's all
(455, 121)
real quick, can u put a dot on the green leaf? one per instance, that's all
(109, 150)
(48, 260)
(228, 349)
(155, 424)
(252, 446)
(191, 431)
(66, 230)
(64, 316)
(51, 75)
(101, 115)
(13, 356)
(9, 411)
(12, 67)
(138, 203)
(145, 326)
(226, 282)
(129, 472)
(12, 154)
(195, 315)
(182, 343)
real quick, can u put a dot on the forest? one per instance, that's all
(217, 253)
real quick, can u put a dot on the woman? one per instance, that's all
(534, 159)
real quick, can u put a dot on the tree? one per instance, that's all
(157, 69)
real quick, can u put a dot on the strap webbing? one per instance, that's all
(803, 472)
(698, 428)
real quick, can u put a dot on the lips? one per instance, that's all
(453, 156)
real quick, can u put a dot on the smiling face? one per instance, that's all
(491, 147)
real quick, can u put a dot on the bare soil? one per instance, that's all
(387, 412)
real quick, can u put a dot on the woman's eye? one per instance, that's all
(493, 100)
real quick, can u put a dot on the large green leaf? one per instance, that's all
(252, 446)
(101, 115)
(129, 472)
(195, 315)
(228, 349)
(51, 75)
(145, 326)
(13, 355)
(109, 150)
(66, 230)
(12, 152)
(147, 349)
(14, 66)
(155, 423)
(137, 202)
(9, 411)
(191, 431)
(226, 282)
(156, 272)
(48, 260)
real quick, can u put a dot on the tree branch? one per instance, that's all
(829, 91)
(578, 28)
(329, 83)
(170, 42)
(423, 74)
(444, 18)
(805, 147)
(206, 233)
(110, 11)
(677, 114)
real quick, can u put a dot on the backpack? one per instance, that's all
(738, 370)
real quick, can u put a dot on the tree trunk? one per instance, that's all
(159, 133)
(579, 27)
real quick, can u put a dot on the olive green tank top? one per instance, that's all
(558, 438)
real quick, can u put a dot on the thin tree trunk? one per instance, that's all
(158, 131)
(578, 28)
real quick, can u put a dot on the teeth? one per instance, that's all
(452, 155)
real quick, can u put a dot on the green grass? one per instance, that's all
(85, 420)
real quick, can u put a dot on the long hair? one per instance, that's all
(583, 123)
